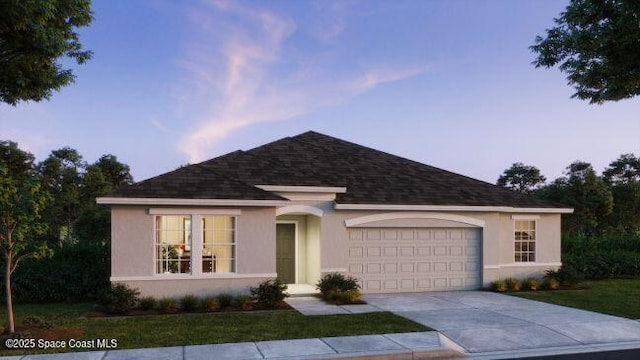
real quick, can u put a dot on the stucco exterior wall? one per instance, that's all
(324, 249)
(132, 254)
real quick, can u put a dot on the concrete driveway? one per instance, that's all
(488, 322)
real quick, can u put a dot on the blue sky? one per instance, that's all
(447, 83)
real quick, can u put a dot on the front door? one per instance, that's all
(286, 253)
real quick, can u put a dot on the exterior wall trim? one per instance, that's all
(506, 209)
(192, 211)
(525, 217)
(299, 209)
(412, 215)
(515, 265)
(333, 270)
(307, 189)
(188, 202)
(191, 277)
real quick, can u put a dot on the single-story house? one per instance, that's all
(311, 204)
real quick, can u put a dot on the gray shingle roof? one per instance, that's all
(313, 159)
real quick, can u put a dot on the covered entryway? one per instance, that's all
(415, 259)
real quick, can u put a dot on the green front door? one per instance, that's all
(286, 252)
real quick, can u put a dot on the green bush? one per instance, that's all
(168, 305)
(189, 303)
(209, 303)
(147, 303)
(36, 321)
(531, 284)
(75, 272)
(550, 283)
(242, 302)
(345, 297)
(225, 300)
(336, 282)
(269, 292)
(499, 285)
(512, 284)
(118, 299)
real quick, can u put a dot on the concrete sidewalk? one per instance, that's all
(419, 345)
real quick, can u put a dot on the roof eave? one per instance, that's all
(188, 202)
(507, 209)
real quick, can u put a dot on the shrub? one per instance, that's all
(499, 285)
(550, 283)
(530, 283)
(345, 297)
(147, 303)
(242, 302)
(336, 282)
(36, 321)
(269, 292)
(168, 305)
(75, 272)
(209, 303)
(189, 303)
(119, 298)
(512, 284)
(225, 300)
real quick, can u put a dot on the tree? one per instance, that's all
(623, 177)
(34, 35)
(587, 193)
(522, 178)
(105, 175)
(62, 177)
(597, 43)
(21, 203)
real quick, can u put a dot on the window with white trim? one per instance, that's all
(173, 244)
(218, 244)
(525, 240)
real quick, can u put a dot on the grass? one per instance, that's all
(210, 328)
(615, 297)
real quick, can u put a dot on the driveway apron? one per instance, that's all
(482, 321)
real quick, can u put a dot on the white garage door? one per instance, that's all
(420, 259)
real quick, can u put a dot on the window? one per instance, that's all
(173, 244)
(525, 240)
(218, 244)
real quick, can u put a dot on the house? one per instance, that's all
(311, 204)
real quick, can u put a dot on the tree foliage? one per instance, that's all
(597, 44)
(522, 178)
(623, 177)
(34, 36)
(582, 189)
(21, 204)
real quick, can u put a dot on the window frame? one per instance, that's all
(234, 232)
(527, 253)
(187, 241)
(197, 241)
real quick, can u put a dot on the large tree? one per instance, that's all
(623, 176)
(105, 175)
(597, 43)
(21, 203)
(522, 178)
(582, 189)
(62, 175)
(34, 37)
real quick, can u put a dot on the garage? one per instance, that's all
(415, 259)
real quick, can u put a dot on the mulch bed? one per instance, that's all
(138, 312)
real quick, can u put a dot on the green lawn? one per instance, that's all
(211, 328)
(620, 297)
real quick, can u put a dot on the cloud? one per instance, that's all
(243, 68)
